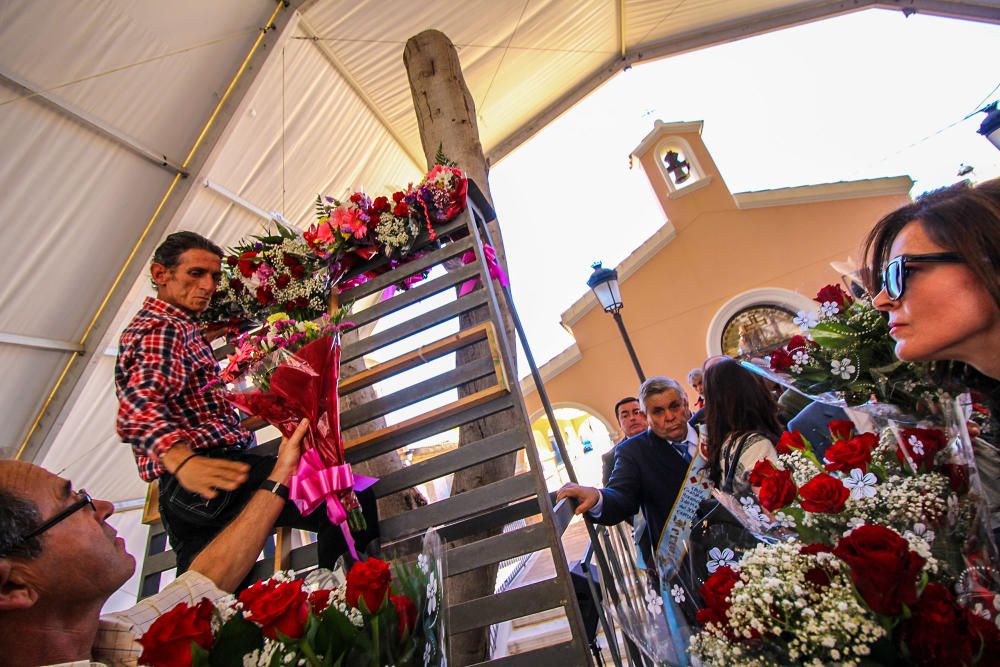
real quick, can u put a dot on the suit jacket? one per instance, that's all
(608, 462)
(812, 422)
(648, 474)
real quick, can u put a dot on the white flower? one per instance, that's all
(720, 558)
(427, 654)
(862, 485)
(800, 357)
(424, 562)
(922, 531)
(754, 512)
(980, 610)
(654, 601)
(806, 320)
(843, 368)
(916, 446)
(678, 594)
(830, 308)
(854, 522)
(432, 589)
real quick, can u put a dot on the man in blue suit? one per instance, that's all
(812, 423)
(649, 468)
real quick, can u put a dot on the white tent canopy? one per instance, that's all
(103, 102)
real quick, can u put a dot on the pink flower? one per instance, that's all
(344, 219)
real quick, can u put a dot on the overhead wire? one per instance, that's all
(482, 103)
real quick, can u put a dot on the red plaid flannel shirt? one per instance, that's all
(163, 363)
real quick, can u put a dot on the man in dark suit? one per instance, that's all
(632, 421)
(812, 423)
(650, 467)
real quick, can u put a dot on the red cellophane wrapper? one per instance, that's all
(304, 384)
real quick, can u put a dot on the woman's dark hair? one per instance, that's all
(961, 218)
(736, 403)
(170, 251)
(18, 517)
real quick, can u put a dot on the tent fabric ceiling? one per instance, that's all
(330, 111)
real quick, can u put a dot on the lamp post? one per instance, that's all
(991, 126)
(604, 282)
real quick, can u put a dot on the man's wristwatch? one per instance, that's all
(277, 488)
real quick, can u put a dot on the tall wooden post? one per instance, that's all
(446, 116)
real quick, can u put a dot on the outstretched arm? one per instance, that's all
(229, 557)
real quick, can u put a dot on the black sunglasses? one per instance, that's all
(85, 499)
(894, 276)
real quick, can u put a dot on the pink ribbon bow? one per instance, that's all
(313, 484)
(492, 264)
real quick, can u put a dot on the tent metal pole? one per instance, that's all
(39, 437)
(32, 92)
(39, 343)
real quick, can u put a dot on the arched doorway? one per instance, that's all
(587, 436)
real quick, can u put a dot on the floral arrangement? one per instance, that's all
(864, 601)
(271, 273)
(296, 273)
(845, 355)
(382, 615)
(257, 354)
(892, 527)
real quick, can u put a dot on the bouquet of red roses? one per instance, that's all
(381, 615)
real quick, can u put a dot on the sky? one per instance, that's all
(864, 95)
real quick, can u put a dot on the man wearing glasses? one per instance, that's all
(60, 561)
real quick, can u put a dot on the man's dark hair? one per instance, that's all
(18, 517)
(170, 251)
(627, 399)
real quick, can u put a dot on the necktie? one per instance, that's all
(682, 449)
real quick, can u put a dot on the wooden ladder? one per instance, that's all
(481, 513)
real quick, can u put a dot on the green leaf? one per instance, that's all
(833, 335)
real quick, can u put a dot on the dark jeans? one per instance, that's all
(192, 522)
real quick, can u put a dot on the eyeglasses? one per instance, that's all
(894, 276)
(84, 500)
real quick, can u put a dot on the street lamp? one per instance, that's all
(991, 126)
(604, 282)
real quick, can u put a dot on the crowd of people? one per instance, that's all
(932, 266)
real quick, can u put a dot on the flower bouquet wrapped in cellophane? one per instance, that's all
(376, 614)
(289, 370)
(845, 357)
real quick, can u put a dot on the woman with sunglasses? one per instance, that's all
(933, 267)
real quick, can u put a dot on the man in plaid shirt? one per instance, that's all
(60, 561)
(187, 438)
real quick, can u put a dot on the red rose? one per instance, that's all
(380, 204)
(935, 634)
(797, 343)
(761, 470)
(790, 440)
(883, 568)
(319, 601)
(824, 494)
(398, 196)
(780, 360)
(818, 576)
(846, 455)
(836, 294)
(264, 295)
(283, 280)
(167, 643)
(369, 580)
(406, 615)
(277, 607)
(777, 490)
(922, 445)
(715, 592)
(247, 263)
(841, 429)
(401, 210)
(231, 260)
